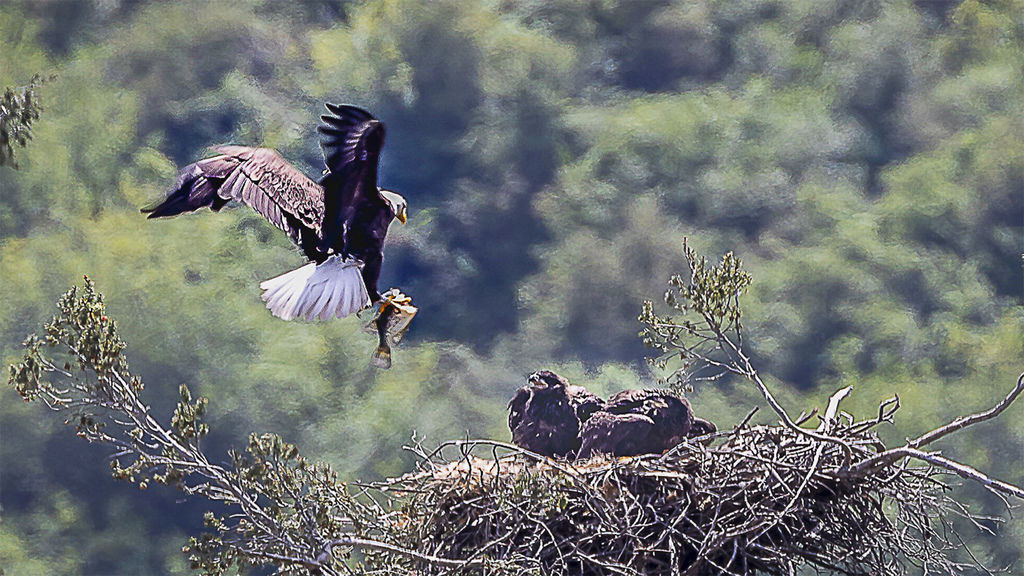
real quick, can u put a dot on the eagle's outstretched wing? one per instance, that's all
(350, 136)
(351, 139)
(257, 177)
(313, 215)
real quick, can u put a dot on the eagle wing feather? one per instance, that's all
(257, 177)
(351, 140)
(266, 182)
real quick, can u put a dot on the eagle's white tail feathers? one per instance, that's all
(332, 289)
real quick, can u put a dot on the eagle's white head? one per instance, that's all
(397, 204)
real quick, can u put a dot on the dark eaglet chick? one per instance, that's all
(339, 223)
(546, 414)
(635, 422)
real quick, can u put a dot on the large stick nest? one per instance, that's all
(766, 500)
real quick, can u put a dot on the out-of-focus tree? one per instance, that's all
(324, 13)
(67, 24)
(586, 284)
(19, 108)
(652, 45)
(178, 78)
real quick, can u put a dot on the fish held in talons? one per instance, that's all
(390, 323)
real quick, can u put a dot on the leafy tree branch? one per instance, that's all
(713, 343)
(283, 509)
(715, 339)
(19, 108)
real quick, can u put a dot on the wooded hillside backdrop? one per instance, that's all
(864, 158)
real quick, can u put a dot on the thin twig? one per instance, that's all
(365, 544)
(889, 456)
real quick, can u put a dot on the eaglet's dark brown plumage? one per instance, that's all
(635, 422)
(546, 414)
(549, 416)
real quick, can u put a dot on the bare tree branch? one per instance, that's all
(888, 457)
(963, 470)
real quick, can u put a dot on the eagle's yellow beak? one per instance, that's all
(401, 215)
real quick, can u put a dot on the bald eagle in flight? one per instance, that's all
(545, 415)
(339, 223)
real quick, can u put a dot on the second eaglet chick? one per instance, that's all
(635, 422)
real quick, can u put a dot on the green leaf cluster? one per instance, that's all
(18, 110)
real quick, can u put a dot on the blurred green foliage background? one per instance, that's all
(865, 158)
